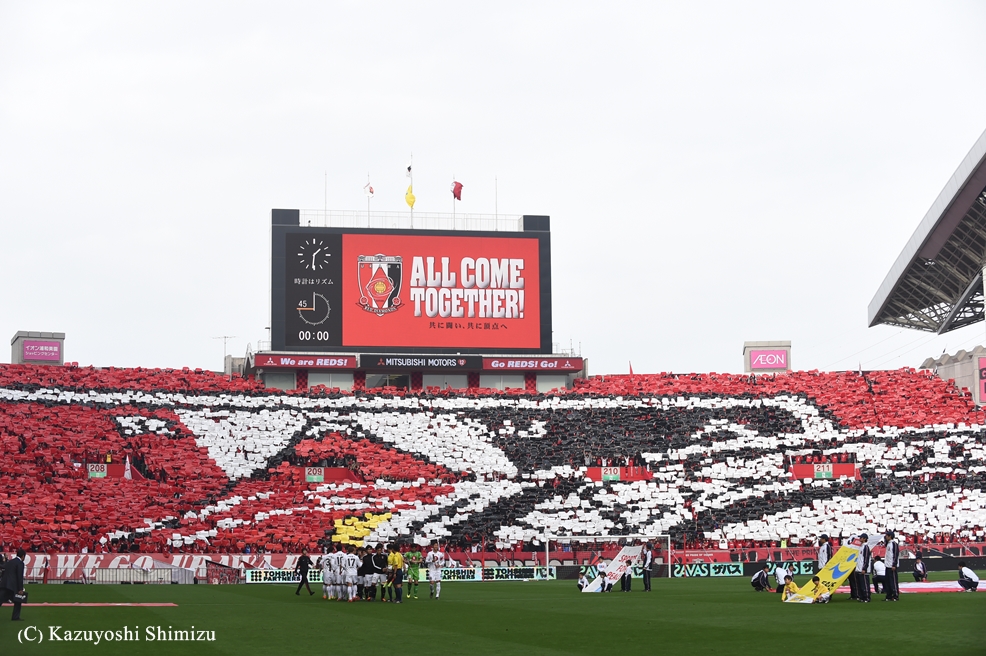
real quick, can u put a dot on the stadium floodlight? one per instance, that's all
(663, 539)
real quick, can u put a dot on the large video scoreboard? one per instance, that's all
(413, 291)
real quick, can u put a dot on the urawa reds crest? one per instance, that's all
(379, 283)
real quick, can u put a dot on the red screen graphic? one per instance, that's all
(445, 292)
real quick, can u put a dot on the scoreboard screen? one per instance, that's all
(410, 290)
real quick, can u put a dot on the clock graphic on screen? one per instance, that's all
(313, 254)
(315, 311)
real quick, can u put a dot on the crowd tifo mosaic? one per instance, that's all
(219, 464)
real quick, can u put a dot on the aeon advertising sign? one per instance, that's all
(768, 359)
(42, 351)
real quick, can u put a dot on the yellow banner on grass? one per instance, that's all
(834, 574)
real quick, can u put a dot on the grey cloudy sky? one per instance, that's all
(715, 172)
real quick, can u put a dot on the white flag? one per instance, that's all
(126, 471)
(368, 190)
(619, 565)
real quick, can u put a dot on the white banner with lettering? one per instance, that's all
(616, 569)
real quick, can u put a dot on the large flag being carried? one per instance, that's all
(409, 196)
(835, 572)
(457, 190)
(617, 568)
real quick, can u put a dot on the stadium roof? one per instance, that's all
(936, 284)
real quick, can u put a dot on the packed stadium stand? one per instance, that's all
(212, 463)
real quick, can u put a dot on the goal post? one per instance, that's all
(662, 543)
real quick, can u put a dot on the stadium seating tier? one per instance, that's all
(217, 463)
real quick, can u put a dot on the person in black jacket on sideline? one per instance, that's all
(304, 564)
(648, 563)
(12, 582)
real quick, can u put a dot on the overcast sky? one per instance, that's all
(714, 172)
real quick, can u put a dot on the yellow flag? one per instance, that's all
(409, 196)
(835, 572)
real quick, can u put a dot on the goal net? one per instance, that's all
(588, 551)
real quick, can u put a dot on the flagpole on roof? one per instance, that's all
(456, 190)
(410, 175)
(368, 190)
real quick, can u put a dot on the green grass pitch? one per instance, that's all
(681, 616)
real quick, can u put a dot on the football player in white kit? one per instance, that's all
(435, 560)
(338, 575)
(325, 564)
(350, 565)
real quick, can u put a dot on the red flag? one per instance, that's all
(631, 368)
(457, 190)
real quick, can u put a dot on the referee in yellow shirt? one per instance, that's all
(395, 562)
